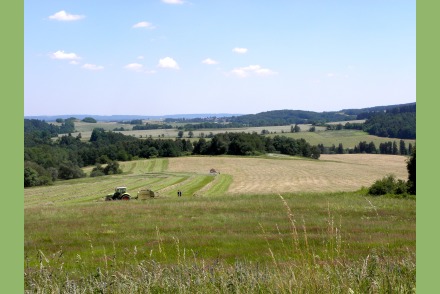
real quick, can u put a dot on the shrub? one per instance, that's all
(97, 171)
(388, 185)
(112, 168)
(69, 171)
(36, 175)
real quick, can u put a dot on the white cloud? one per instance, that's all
(243, 72)
(134, 66)
(95, 67)
(240, 50)
(168, 62)
(209, 61)
(64, 16)
(74, 62)
(62, 55)
(137, 67)
(144, 24)
(173, 1)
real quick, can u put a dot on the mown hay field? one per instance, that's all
(331, 173)
(238, 175)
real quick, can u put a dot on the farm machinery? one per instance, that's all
(120, 194)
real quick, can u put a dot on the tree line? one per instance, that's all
(48, 160)
(254, 144)
(390, 147)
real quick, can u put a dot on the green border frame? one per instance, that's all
(12, 106)
(428, 203)
(12, 94)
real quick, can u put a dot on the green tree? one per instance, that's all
(340, 149)
(89, 120)
(97, 171)
(30, 177)
(69, 171)
(190, 134)
(180, 134)
(395, 150)
(411, 167)
(112, 168)
(402, 148)
(315, 152)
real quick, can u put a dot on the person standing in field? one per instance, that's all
(179, 193)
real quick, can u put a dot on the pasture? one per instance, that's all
(259, 226)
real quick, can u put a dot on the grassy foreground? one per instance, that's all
(302, 243)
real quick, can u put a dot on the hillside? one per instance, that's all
(267, 118)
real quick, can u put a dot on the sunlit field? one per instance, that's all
(247, 229)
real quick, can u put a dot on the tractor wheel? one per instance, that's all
(125, 197)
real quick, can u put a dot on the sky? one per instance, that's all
(159, 57)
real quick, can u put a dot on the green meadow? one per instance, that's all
(210, 240)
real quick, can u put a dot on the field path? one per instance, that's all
(331, 173)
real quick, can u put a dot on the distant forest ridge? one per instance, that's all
(127, 117)
(281, 116)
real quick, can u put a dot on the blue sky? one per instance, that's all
(162, 57)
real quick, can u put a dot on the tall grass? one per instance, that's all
(301, 266)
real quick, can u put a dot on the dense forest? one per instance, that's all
(398, 122)
(375, 109)
(271, 118)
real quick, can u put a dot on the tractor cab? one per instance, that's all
(120, 194)
(120, 190)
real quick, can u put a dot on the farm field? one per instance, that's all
(252, 226)
(348, 138)
(238, 175)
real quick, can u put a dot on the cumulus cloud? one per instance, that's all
(168, 62)
(137, 67)
(209, 61)
(63, 55)
(134, 66)
(94, 67)
(243, 72)
(173, 1)
(240, 50)
(144, 24)
(64, 16)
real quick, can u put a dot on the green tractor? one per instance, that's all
(120, 194)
